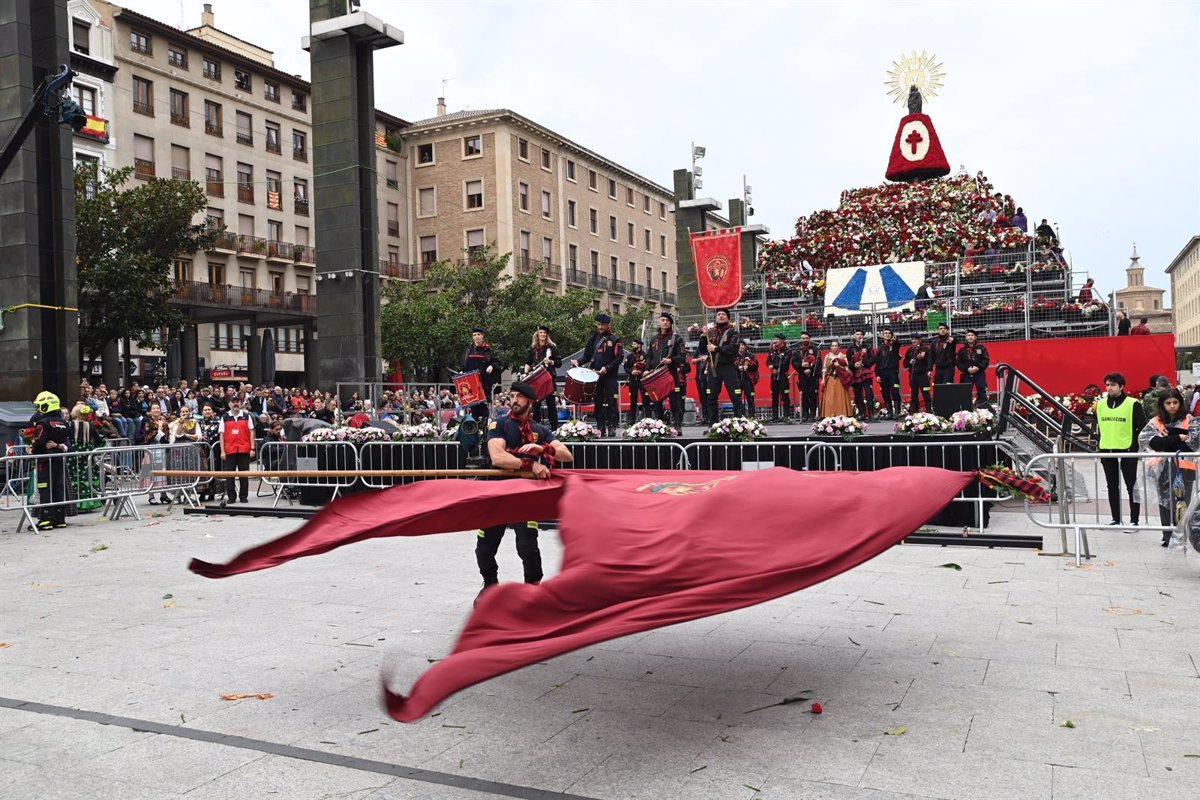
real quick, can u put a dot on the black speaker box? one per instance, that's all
(951, 397)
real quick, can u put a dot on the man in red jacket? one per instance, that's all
(1140, 329)
(237, 443)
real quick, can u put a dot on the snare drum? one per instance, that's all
(580, 387)
(469, 387)
(658, 383)
(542, 381)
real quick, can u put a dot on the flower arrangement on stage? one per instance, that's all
(846, 427)
(921, 424)
(978, 421)
(423, 432)
(577, 431)
(649, 430)
(736, 429)
(347, 434)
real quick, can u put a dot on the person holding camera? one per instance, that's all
(1171, 431)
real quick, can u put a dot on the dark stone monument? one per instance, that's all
(341, 43)
(39, 347)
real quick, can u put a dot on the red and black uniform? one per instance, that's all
(887, 368)
(723, 371)
(515, 434)
(942, 358)
(862, 364)
(49, 427)
(974, 355)
(779, 361)
(537, 357)
(635, 362)
(917, 362)
(480, 358)
(604, 351)
(806, 360)
(671, 345)
(748, 369)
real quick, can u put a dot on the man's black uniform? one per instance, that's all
(726, 338)
(635, 361)
(48, 427)
(480, 357)
(974, 355)
(748, 369)
(701, 368)
(917, 362)
(488, 539)
(604, 351)
(536, 357)
(806, 360)
(887, 368)
(864, 376)
(779, 361)
(942, 354)
(670, 345)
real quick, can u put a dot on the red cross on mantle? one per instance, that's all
(914, 139)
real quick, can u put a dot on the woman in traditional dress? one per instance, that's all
(84, 482)
(1170, 431)
(836, 378)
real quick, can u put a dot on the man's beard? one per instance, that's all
(520, 410)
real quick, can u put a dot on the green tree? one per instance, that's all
(426, 324)
(126, 242)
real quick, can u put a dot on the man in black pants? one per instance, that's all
(887, 368)
(779, 361)
(722, 350)
(972, 361)
(806, 359)
(668, 349)
(635, 368)
(517, 442)
(1119, 419)
(942, 354)
(603, 353)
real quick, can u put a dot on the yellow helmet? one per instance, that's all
(47, 402)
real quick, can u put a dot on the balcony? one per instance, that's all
(668, 298)
(637, 290)
(619, 286)
(143, 108)
(143, 168)
(181, 173)
(245, 138)
(280, 251)
(214, 129)
(192, 292)
(300, 153)
(653, 294)
(214, 186)
(299, 103)
(274, 146)
(577, 277)
(254, 245)
(246, 193)
(226, 240)
(399, 271)
(301, 206)
(543, 269)
(305, 254)
(599, 281)
(181, 119)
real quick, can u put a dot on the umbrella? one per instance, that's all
(174, 359)
(268, 356)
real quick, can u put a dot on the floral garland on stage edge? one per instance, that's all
(347, 434)
(577, 431)
(736, 429)
(649, 430)
(978, 421)
(921, 424)
(848, 428)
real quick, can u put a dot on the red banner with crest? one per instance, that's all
(718, 258)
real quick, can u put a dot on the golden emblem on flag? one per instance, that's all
(676, 488)
(717, 267)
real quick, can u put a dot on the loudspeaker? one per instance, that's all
(951, 397)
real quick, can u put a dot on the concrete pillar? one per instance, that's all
(254, 354)
(190, 351)
(311, 378)
(110, 360)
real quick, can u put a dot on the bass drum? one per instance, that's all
(659, 383)
(542, 381)
(580, 387)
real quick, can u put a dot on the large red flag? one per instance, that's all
(669, 547)
(718, 258)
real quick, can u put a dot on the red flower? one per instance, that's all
(817, 708)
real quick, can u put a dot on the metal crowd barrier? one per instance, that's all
(407, 455)
(628, 455)
(341, 456)
(1080, 496)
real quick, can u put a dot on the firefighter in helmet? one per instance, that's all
(51, 437)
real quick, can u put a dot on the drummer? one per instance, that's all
(543, 352)
(603, 353)
(668, 349)
(479, 356)
(635, 368)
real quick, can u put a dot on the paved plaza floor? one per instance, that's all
(1019, 676)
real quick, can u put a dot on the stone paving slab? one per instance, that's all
(936, 683)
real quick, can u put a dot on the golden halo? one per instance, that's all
(923, 71)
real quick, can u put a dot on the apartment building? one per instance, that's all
(566, 213)
(1184, 270)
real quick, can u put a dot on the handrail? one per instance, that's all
(1008, 377)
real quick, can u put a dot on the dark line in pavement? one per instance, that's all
(301, 753)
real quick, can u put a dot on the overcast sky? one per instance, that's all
(1088, 114)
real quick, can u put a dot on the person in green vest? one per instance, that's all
(1119, 418)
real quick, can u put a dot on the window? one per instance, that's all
(143, 96)
(426, 202)
(249, 278)
(629, 196)
(391, 175)
(277, 286)
(648, 235)
(274, 140)
(81, 33)
(612, 228)
(214, 217)
(275, 193)
(303, 287)
(176, 55)
(523, 196)
(524, 246)
(629, 235)
(472, 146)
(425, 154)
(646, 203)
(522, 149)
(593, 221)
(85, 96)
(616, 309)
(547, 248)
(183, 270)
(474, 194)
(300, 198)
(572, 257)
(546, 204)
(613, 266)
(179, 108)
(612, 188)
(664, 280)
(271, 91)
(140, 43)
(595, 259)
(649, 278)
(181, 163)
(241, 79)
(212, 118)
(570, 170)
(393, 219)
(274, 231)
(143, 156)
(245, 179)
(545, 158)
(592, 179)
(212, 69)
(299, 101)
(216, 274)
(213, 175)
(299, 145)
(475, 242)
(244, 123)
(662, 245)
(428, 249)
(93, 163)
(632, 273)
(662, 210)
(571, 213)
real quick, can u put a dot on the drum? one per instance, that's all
(542, 381)
(469, 388)
(658, 383)
(580, 387)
